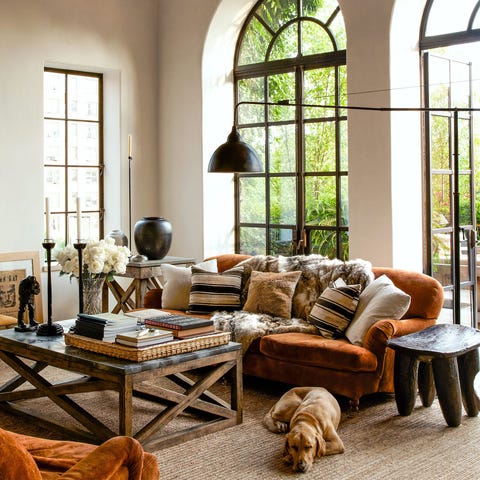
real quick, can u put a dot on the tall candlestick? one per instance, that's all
(79, 220)
(129, 146)
(47, 217)
(49, 329)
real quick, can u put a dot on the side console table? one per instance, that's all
(144, 275)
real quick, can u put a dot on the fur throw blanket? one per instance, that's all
(245, 327)
(318, 272)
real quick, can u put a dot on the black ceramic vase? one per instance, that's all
(153, 237)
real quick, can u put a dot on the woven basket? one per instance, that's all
(147, 353)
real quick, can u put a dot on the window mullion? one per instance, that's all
(300, 152)
(267, 166)
(66, 167)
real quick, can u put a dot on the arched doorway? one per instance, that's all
(451, 81)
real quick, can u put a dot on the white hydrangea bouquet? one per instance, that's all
(101, 258)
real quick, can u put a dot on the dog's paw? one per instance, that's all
(274, 425)
(281, 427)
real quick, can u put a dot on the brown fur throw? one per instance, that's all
(318, 273)
(245, 327)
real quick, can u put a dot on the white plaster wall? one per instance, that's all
(385, 156)
(117, 37)
(182, 29)
(217, 70)
(381, 217)
(370, 195)
(406, 147)
(385, 183)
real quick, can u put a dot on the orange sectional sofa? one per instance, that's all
(345, 369)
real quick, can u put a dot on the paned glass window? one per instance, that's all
(293, 51)
(73, 153)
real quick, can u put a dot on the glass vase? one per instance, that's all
(93, 294)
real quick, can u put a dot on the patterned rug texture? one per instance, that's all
(378, 442)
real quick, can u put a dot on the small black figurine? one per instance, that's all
(27, 289)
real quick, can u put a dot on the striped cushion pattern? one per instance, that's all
(215, 291)
(334, 310)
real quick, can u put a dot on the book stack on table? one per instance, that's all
(182, 326)
(103, 326)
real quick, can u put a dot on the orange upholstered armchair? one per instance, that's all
(24, 457)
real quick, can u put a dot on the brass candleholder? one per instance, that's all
(49, 329)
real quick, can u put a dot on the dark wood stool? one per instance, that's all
(444, 354)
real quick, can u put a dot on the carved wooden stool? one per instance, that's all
(444, 354)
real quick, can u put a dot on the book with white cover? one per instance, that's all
(150, 343)
(144, 313)
(144, 335)
(106, 318)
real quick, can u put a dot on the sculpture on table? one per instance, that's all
(27, 289)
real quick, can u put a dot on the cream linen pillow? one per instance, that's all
(177, 282)
(381, 299)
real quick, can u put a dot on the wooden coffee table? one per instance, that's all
(129, 379)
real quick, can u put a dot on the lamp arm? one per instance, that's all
(287, 103)
(236, 156)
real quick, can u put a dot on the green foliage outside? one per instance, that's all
(455, 94)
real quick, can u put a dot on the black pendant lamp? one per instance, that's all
(234, 156)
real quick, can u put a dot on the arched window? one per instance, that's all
(446, 23)
(293, 51)
(449, 36)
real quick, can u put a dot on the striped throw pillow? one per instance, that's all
(215, 291)
(334, 309)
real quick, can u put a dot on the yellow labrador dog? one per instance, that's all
(311, 416)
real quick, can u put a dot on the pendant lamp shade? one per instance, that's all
(234, 156)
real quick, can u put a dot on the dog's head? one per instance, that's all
(302, 445)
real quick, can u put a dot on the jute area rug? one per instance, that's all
(378, 442)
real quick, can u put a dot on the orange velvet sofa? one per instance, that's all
(344, 369)
(30, 458)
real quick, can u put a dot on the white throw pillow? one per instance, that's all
(380, 299)
(177, 282)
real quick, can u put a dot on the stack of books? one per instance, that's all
(103, 326)
(144, 337)
(183, 326)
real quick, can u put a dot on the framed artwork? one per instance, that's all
(14, 267)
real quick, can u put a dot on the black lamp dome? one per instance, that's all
(234, 156)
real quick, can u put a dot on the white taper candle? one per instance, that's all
(79, 220)
(129, 145)
(47, 217)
